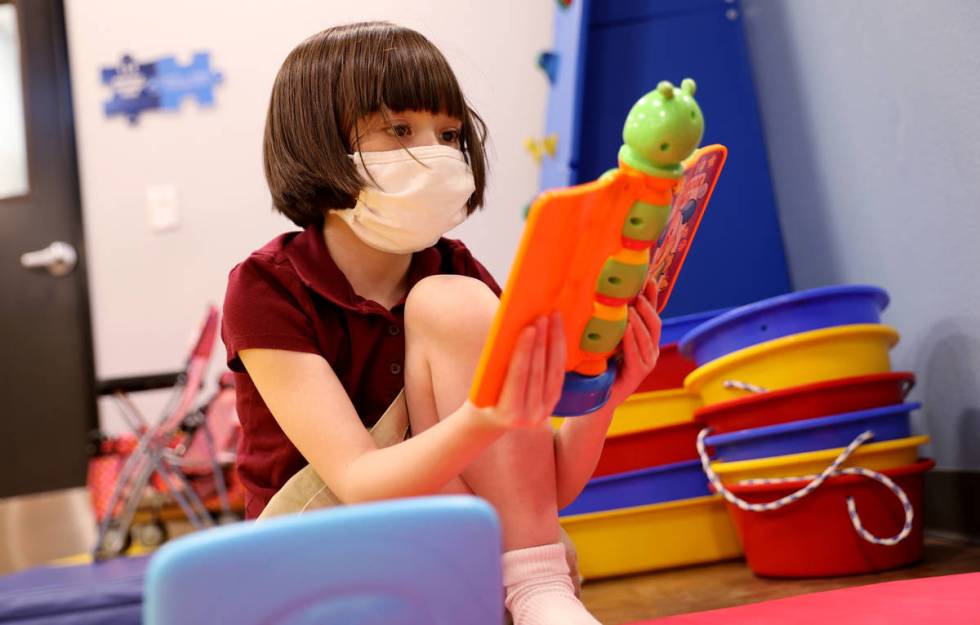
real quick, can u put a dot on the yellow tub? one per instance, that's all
(826, 354)
(658, 536)
(643, 411)
(874, 456)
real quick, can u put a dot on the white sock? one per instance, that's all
(539, 589)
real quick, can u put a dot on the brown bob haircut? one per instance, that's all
(332, 80)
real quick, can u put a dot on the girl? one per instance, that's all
(367, 318)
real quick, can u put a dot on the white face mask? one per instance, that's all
(415, 201)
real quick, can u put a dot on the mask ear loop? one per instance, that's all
(472, 122)
(360, 155)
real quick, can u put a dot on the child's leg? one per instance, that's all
(447, 319)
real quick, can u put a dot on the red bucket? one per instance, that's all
(648, 448)
(813, 537)
(810, 401)
(670, 371)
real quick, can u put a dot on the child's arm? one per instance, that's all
(579, 440)
(578, 443)
(310, 404)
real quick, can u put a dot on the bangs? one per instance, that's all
(399, 70)
(420, 80)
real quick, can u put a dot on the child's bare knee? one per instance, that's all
(448, 304)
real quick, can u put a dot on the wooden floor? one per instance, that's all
(629, 599)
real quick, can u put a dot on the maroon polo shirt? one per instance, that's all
(291, 295)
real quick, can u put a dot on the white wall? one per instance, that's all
(872, 117)
(13, 149)
(148, 290)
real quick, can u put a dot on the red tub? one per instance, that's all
(807, 402)
(813, 537)
(648, 448)
(670, 371)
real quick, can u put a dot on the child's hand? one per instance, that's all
(534, 379)
(641, 345)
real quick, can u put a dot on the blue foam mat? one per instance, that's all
(105, 593)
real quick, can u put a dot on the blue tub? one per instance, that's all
(676, 327)
(887, 423)
(782, 316)
(681, 480)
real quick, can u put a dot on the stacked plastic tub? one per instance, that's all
(810, 432)
(648, 505)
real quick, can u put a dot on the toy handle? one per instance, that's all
(585, 394)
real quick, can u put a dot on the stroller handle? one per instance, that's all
(209, 330)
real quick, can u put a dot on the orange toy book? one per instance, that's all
(574, 252)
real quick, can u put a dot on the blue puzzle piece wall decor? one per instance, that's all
(548, 62)
(158, 85)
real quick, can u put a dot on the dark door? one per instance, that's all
(47, 401)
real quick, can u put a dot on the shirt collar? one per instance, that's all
(311, 259)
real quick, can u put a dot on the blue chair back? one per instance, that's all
(420, 561)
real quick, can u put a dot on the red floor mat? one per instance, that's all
(949, 600)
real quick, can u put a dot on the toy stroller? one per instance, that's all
(186, 457)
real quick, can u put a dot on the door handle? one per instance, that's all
(59, 259)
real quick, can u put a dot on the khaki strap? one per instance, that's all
(306, 491)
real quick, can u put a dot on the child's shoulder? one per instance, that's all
(458, 259)
(274, 251)
(452, 247)
(269, 263)
(454, 256)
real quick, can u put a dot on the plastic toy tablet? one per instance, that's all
(588, 250)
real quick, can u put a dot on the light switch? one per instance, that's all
(162, 207)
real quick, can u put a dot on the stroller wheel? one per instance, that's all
(115, 541)
(151, 534)
(228, 518)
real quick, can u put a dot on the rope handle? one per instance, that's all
(907, 387)
(738, 385)
(815, 482)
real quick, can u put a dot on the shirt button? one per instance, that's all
(395, 368)
(394, 330)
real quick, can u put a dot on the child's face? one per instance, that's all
(409, 129)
